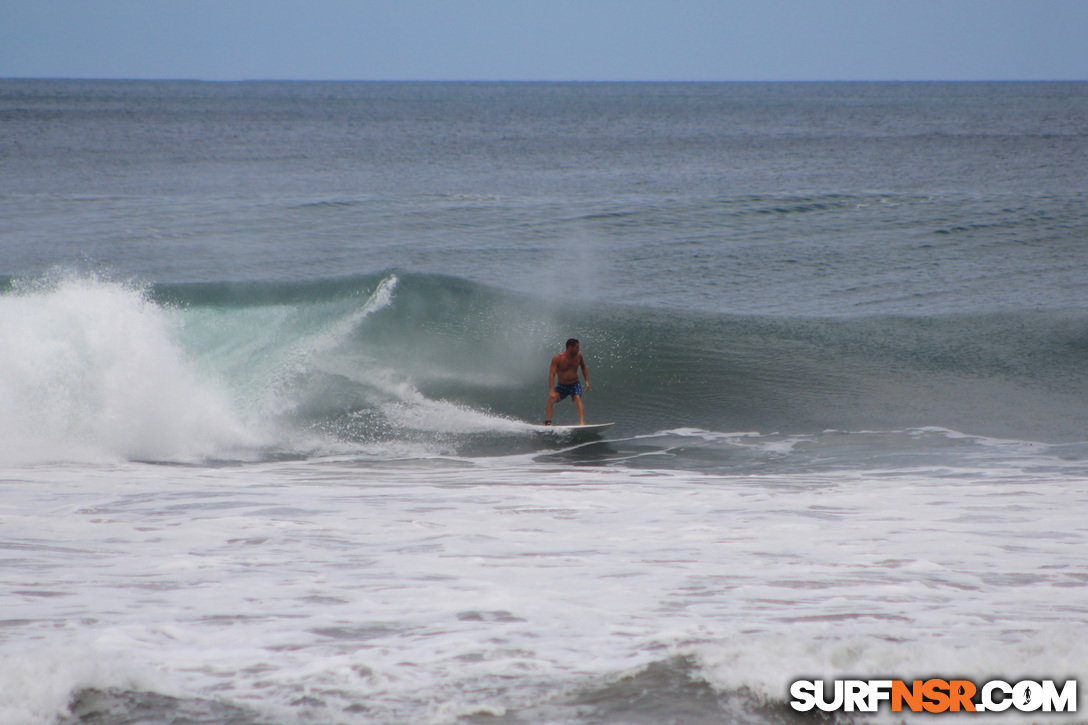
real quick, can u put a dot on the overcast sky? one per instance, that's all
(745, 40)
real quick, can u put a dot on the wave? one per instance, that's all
(727, 682)
(91, 370)
(667, 691)
(403, 364)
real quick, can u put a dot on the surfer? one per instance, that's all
(565, 365)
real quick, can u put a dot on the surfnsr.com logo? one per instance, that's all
(934, 695)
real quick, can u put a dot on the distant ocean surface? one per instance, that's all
(272, 357)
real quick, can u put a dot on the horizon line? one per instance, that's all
(179, 79)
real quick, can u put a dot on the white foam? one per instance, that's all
(489, 584)
(89, 370)
(38, 681)
(415, 411)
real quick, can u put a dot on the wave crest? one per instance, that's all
(90, 370)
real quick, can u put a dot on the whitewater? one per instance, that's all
(272, 364)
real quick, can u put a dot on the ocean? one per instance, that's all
(271, 359)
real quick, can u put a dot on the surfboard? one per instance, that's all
(576, 431)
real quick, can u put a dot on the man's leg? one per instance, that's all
(581, 410)
(552, 397)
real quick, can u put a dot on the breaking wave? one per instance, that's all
(402, 364)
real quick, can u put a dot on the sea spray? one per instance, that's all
(90, 369)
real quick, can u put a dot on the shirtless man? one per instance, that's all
(566, 365)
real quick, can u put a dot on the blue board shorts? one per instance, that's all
(572, 389)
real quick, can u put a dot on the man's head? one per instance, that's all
(572, 344)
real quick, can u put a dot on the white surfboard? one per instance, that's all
(576, 431)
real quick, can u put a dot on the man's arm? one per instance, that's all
(552, 372)
(585, 370)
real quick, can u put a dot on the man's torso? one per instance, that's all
(566, 367)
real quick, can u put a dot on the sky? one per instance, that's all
(555, 40)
